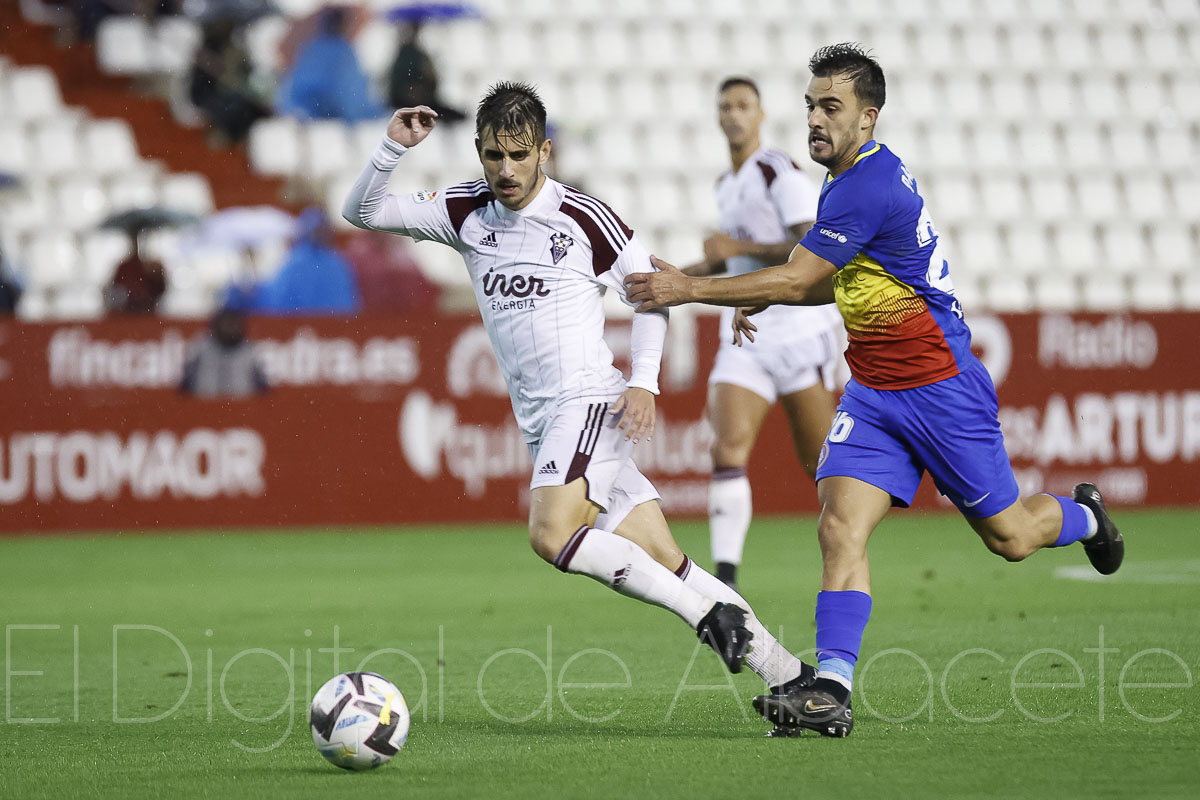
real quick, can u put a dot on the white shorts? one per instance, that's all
(583, 441)
(776, 364)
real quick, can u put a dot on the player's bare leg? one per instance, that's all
(647, 527)
(850, 510)
(1046, 520)
(809, 414)
(736, 415)
(561, 532)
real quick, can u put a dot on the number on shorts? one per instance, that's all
(843, 423)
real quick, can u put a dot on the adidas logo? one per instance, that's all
(620, 576)
(549, 468)
(489, 240)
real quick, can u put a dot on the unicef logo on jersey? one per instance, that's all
(840, 238)
(520, 287)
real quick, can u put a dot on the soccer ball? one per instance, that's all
(359, 720)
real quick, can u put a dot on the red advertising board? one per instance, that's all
(406, 419)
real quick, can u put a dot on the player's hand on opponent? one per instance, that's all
(650, 290)
(638, 418)
(721, 247)
(742, 326)
(410, 126)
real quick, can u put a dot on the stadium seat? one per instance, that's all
(1028, 248)
(1185, 192)
(1150, 291)
(1072, 47)
(1037, 145)
(124, 46)
(1008, 293)
(57, 149)
(1125, 248)
(1085, 150)
(1105, 293)
(109, 146)
(78, 302)
(1027, 46)
(1003, 198)
(83, 203)
(181, 303)
(981, 49)
(1146, 197)
(1172, 250)
(563, 42)
(34, 305)
(1189, 291)
(976, 248)
(133, 189)
(376, 46)
(326, 148)
(275, 146)
(100, 252)
(1050, 197)
(1100, 93)
(174, 43)
(1098, 197)
(186, 191)
(1078, 247)
(1055, 291)
(53, 261)
(1056, 96)
(15, 155)
(33, 92)
(1116, 42)
(262, 38)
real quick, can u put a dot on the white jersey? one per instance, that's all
(539, 276)
(758, 203)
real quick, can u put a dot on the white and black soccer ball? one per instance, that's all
(359, 720)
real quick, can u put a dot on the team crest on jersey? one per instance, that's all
(559, 242)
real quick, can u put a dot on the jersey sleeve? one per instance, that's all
(849, 217)
(422, 215)
(795, 197)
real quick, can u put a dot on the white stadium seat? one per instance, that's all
(1171, 249)
(1007, 292)
(125, 46)
(326, 148)
(109, 146)
(275, 146)
(1107, 292)
(101, 251)
(1056, 291)
(1125, 248)
(57, 149)
(83, 203)
(174, 43)
(53, 261)
(1078, 247)
(33, 92)
(186, 191)
(1151, 291)
(1098, 197)
(79, 302)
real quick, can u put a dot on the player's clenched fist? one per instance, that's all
(636, 407)
(410, 126)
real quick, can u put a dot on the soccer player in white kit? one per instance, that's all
(766, 205)
(541, 255)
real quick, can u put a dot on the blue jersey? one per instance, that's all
(893, 287)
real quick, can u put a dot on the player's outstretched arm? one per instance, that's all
(803, 280)
(370, 205)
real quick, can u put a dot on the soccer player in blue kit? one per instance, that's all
(918, 400)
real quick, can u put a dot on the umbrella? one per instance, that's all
(136, 220)
(240, 228)
(432, 12)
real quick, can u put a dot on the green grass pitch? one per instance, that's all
(977, 678)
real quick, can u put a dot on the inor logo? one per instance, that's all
(516, 286)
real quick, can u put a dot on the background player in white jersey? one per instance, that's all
(541, 256)
(766, 205)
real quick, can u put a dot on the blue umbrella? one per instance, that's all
(432, 12)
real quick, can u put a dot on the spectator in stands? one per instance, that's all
(315, 277)
(413, 79)
(222, 84)
(223, 363)
(137, 285)
(389, 279)
(326, 81)
(90, 13)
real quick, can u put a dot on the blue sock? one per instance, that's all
(1074, 522)
(841, 619)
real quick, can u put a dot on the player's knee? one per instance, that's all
(838, 536)
(547, 540)
(730, 452)
(1010, 548)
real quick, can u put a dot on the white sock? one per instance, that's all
(729, 511)
(624, 566)
(767, 657)
(1093, 525)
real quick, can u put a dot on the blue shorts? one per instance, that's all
(890, 438)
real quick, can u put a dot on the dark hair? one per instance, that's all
(738, 80)
(512, 107)
(849, 59)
